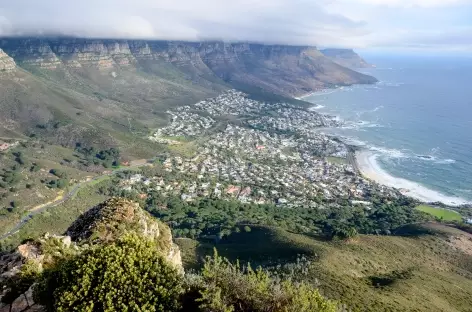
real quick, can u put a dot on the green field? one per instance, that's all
(444, 214)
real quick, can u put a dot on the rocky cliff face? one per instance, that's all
(7, 64)
(288, 70)
(346, 57)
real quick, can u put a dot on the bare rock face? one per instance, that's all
(78, 53)
(111, 219)
(34, 52)
(7, 64)
(286, 70)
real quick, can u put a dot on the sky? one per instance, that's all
(416, 25)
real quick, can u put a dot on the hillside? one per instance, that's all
(106, 91)
(421, 272)
(117, 247)
(345, 57)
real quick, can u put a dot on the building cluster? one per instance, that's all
(182, 124)
(252, 160)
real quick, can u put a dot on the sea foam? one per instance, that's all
(371, 169)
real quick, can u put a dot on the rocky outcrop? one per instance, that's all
(36, 52)
(32, 254)
(102, 224)
(78, 53)
(120, 52)
(111, 219)
(7, 64)
(346, 57)
(287, 70)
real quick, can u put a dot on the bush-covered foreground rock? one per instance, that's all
(121, 259)
(128, 275)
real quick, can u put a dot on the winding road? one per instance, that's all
(75, 189)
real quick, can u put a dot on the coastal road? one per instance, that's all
(75, 189)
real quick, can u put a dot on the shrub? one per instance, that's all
(226, 287)
(127, 275)
(58, 173)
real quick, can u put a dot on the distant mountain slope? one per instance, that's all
(68, 88)
(345, 57)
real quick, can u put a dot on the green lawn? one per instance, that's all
(445, 214)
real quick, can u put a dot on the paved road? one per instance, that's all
(65, 198)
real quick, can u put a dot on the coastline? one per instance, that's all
(365, 163)
(369, 168)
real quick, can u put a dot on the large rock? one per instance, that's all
(111, 219)
(40, 252)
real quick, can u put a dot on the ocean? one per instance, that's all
(414, 126)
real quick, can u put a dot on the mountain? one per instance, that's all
(108, 92)
(346, 57)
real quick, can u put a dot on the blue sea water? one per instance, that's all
(417, 120)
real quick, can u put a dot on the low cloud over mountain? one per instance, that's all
(353, 23)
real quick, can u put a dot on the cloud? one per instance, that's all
(413, 3)
(342, 23)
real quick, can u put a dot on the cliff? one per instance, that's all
(346, 57)
(7, 64)
(70, 90)
(288, 70)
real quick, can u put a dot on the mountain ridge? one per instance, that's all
(93, 91)
(304, 65)
(346, 57)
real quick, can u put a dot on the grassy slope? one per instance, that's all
(445, 214)
(441, 277)
(57, 219)
(31, 191)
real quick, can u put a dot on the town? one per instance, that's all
(257, 152)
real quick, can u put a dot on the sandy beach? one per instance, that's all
(371, 169)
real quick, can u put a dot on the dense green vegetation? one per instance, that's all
(440, 213)
(130, 275)
(92, 156)
(206, 217)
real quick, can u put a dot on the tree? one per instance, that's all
(128, 275)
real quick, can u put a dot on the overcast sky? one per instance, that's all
(374, 24)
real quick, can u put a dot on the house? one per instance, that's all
(233, 190)
(4, 146)
(245, 192)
